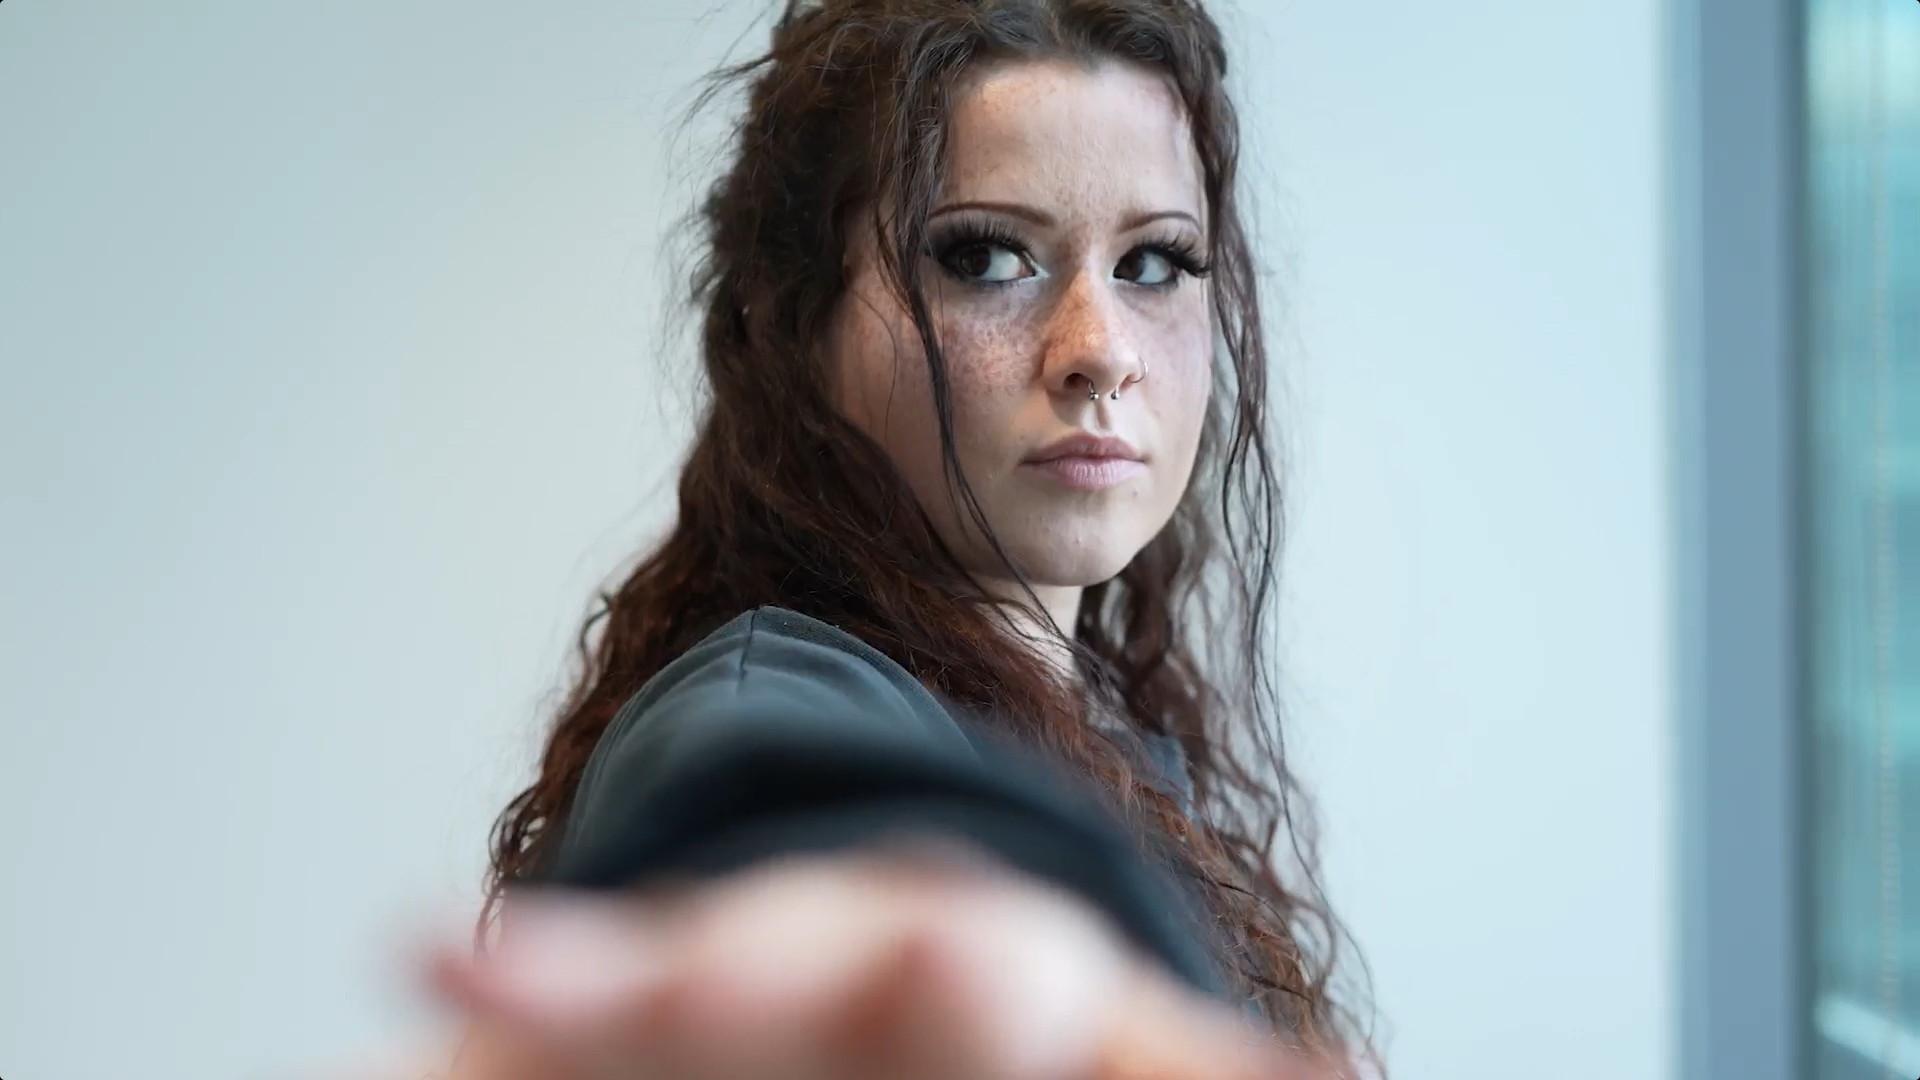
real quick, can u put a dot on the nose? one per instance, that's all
(1089, 348)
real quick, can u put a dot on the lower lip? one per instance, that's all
(1088, 473)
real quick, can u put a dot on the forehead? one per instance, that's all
(1084, 141)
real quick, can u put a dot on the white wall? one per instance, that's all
(327, 391)
(1466, 197)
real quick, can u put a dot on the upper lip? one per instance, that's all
(1082, 444)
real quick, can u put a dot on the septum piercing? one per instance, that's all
(1093, 392)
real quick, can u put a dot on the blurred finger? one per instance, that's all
(742, 979)
(1160, 1031)
(830, 969)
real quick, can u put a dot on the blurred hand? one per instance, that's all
(886, 966)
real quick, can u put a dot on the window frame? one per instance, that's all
(1736, 140)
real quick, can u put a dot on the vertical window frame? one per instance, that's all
(1736, 141)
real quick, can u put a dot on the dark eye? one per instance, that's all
(987, 262)
(1145, 266)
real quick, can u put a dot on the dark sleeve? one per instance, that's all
(759, 743)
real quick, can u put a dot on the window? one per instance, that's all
(1861, 393)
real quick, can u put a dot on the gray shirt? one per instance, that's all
(780, 734)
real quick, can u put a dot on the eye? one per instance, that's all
(987, 262)
(1159, 264)
(1145, 266)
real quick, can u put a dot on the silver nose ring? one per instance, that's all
(1093, 391)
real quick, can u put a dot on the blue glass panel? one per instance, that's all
(1863, 481)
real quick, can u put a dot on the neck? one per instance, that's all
(1061, 603)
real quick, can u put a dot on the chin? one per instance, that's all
(1072, 561)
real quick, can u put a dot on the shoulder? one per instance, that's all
(778, 643)
(779, 733)
(769, 671)
(777, 655)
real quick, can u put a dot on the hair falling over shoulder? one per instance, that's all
(784, 502)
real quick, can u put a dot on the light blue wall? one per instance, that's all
(328, 389)
(1466, 204)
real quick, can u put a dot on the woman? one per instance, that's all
(981, 499)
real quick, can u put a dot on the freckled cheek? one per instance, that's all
(990, 364)
(1180, 370)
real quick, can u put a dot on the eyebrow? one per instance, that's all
(1046, 220)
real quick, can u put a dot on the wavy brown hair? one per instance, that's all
(783, 501)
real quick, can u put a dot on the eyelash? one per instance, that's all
(1179, 251)
(966, 234)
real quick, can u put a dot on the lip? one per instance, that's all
(1087, 462)
(1084, 445)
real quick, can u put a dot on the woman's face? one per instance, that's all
(1065, 241)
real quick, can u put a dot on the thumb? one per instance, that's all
(1162, 1030)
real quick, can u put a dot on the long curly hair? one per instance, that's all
(783, 501)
